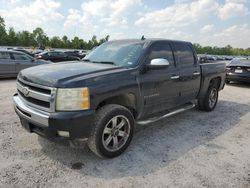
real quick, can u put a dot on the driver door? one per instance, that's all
(160, 87)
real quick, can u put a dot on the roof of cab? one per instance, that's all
(149, 40)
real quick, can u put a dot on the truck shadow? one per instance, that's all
(156, 145)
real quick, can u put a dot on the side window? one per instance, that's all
(162, 50)
(184, 54)
(61, 54)
(5, 55)
(58, 54)
(21, 57)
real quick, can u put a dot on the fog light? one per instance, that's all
(63, 133)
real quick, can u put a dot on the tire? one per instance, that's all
(113, 131)
(227, 82)
(210, 100)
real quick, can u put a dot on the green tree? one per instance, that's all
(3, 34)
(11, 38)
(66, 42)
(198, 48)
(56, 42)
(40, 36)
(103, 40)
(25, 38)
(76, 43)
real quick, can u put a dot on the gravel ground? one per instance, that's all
(192, 149)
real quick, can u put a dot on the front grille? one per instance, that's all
(35, 101)
(42, 90)
(37, 96)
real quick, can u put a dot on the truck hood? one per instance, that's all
(57, 75)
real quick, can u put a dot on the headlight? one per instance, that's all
(72, 99)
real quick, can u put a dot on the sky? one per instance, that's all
(208, 22)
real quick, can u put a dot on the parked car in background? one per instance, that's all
(238, 70)
(228, 58)
(56, 56)
(37, 51)
(75, 53)
(24, 51)
(11, 62)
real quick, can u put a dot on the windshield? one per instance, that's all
(119, 53)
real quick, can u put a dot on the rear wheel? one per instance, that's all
(113, 132)
(210, 100)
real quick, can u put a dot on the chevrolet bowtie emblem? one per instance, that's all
(25, 91)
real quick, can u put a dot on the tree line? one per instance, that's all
(227, 50)
(38, 38)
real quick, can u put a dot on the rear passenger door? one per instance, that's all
(22, 61)
(189, 70)
(7, 65)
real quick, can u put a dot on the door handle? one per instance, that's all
(196, 73)
(174, 77)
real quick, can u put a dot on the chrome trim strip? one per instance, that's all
(144, 122)
(37, 95)
(196, 73)
(35, 85)
(175, 77)
(34, 94)
(32, 104)
(38, 117)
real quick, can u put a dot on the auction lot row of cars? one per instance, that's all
(119, 84)
(12, 61)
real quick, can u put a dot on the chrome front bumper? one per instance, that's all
(30, 114)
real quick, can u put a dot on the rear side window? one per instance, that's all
(162, 50)
(58, 54)
(5, 55)
(184, 54)
(21, 57)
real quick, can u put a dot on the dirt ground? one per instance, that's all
(192, 149)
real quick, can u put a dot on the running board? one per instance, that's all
(152, 120)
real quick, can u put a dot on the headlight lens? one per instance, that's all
(72, 99)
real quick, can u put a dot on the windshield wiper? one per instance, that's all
(105, 62)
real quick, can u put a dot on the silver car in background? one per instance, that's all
(11, 62)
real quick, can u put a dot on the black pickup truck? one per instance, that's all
(119, 85)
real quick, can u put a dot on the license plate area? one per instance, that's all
(238, 70)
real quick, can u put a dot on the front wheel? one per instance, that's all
(113, 131)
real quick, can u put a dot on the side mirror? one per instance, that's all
(158, 63)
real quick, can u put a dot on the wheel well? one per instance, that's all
(126, 100)
(215, 81)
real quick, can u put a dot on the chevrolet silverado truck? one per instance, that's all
(118, 85)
